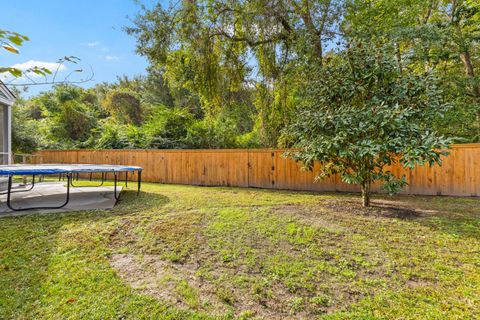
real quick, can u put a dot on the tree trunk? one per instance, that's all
(470, 73)
(316, 35)
(366, 194)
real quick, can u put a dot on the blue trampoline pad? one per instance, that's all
(35, 169)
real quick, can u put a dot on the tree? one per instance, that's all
(25, 127)
(124, 105)
(74, 121)
(360, 114)
(212, 51)
(167, 128)
(441, 36)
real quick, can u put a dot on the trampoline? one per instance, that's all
(65, 170)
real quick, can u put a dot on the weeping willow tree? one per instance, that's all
(231, 52)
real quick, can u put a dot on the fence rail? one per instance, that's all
(459, 174)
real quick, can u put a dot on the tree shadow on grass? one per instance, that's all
(456, 216)
(28, 243)
(459, 217)
(376, 209)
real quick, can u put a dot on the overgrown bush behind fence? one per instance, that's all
(459, 174)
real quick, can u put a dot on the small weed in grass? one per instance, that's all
(189, 295)
(296, 305)
(226, 295)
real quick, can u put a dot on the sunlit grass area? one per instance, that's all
(184, 252)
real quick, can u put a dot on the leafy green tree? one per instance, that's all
(360, 114)
(25, 127)
(212, 134)
(156, 90)
(60, 117)
(124, 105)
(441, 36)
(167, 128)
(113, 136)
(74, 121)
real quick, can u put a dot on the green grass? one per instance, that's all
(184, 252)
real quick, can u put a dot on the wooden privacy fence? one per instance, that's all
(459, 174)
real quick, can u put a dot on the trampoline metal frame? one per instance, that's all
(101, 183)
(22, 190)
(9, 193)
(69, 176)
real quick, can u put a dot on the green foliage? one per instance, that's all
(25, 129)
(113, 136)
(167, 128)
(440, 36)
(107, 116)
(231, 74)
(67, 93)
(8, 41)
(124, 105)
(212, 134)
(56, 119)
(360, 114)
(73, 121)
(211, 55)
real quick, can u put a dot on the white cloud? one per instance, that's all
(52, 66)
(93, 44)
(107, 57)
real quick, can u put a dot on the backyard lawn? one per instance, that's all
(186, 252)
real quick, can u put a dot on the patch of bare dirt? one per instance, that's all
(418, 283)
(152, 276)
(155, 277)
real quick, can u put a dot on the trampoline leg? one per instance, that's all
(9, 204)
(33, 183)
(9, 191)
(68, 192)
(139, 182)
(22, 190)
(101, 182)
(126, 178)
(115, 178)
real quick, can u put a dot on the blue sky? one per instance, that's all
(88, 29)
